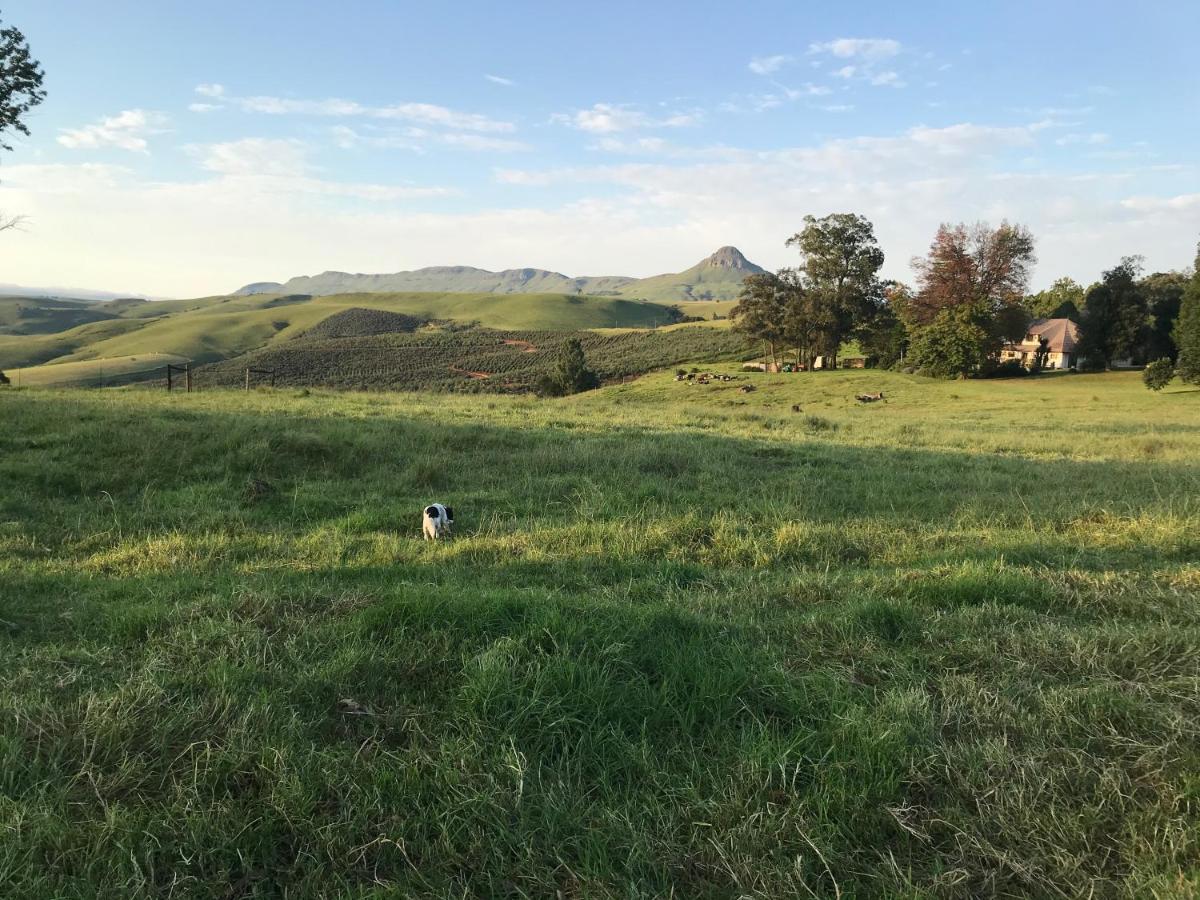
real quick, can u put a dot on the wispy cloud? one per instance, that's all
(127, 130)
(611, 118)
(281, 166)
(422, 113)
(765, 65)
(869, 49)
(496, 79)
(1094, 138)
(421, 140)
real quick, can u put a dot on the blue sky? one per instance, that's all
(185, 149)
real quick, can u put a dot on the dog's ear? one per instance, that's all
(449, 513)
(431, 511)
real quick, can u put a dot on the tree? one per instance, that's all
(570, 374)
(1114, 315)
(4, 379)
(20, 91)
(839, 266)
(1187, 329)
(971, 285)
(1164, 294)
(762, 309)
(20, 83)
(953, 344)
(1062, 300)
(883, 337)
(1158, 374)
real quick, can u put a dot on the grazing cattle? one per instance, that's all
(869, 398)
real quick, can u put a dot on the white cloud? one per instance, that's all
(870, 49)
(765, 65)
(255, 156)
(846, 71)
(887, 79)
(496, 79)
(127, 130)
(610, 118)
(419, 140)
(422, 113)
(1096, 137)
(204, 107)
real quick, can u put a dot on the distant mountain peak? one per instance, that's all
(730, 258)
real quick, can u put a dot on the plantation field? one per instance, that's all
(475, 360)
(687, 642)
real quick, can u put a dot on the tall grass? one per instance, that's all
(685, 642)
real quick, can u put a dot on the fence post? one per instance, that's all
(168, 378)
(247, 379)
(272, 378)
(187, 371)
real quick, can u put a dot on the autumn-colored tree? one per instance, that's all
(972, 282)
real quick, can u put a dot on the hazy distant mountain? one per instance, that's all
(719, 277)
(16, 290)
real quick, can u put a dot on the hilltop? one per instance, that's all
(718, 277)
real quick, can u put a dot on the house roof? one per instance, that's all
(1061, 335)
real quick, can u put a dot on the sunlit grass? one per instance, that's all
(686, 640)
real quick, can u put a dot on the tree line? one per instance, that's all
(971, 297)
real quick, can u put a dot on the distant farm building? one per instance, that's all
(1060, 337)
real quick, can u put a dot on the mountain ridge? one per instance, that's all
(716, 277)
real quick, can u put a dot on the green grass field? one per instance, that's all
(687, 642)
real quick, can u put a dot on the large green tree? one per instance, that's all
(1187, 329)
(839, 274)
(570, 374)
(1164, 294)
(883, 337)
(1114, 315)
(1062, 300)
(20, 91)
(970, 286)
(762, 310)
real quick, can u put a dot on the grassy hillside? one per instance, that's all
(213, 328)
(44, 315)
(96, 372)
(686, 643)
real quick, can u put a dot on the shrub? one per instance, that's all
(1158, 374)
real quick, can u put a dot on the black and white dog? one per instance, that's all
(436, 521)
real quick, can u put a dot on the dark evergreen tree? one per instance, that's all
(1114, 315)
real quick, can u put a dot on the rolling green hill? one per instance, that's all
(214, 328)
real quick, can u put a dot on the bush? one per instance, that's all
(1158, 374)
(1093, 362)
